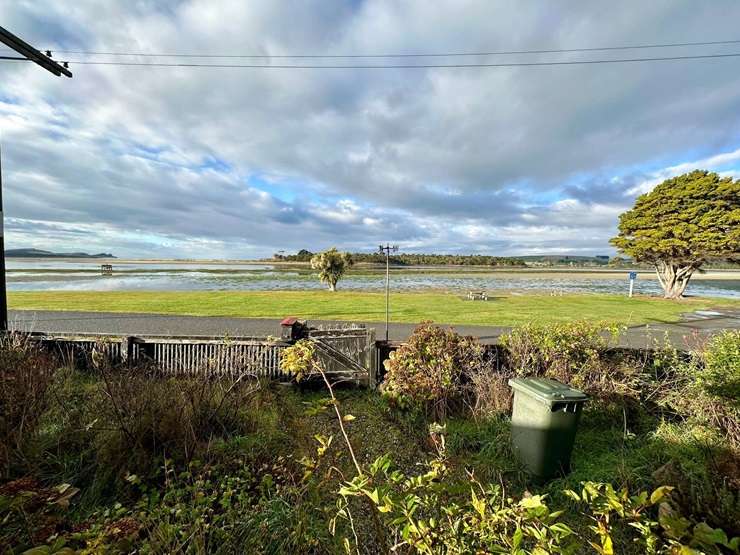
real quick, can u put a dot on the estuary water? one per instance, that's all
(65, 275)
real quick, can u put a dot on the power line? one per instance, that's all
(408, 66)
(406, 55)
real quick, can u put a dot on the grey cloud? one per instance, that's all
(410, 147)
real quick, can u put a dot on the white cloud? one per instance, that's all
(715, 162)
(246, 162)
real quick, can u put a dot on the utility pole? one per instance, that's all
(387, 249)
(28, 53)
(3, 293)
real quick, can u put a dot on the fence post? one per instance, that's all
(130, 342)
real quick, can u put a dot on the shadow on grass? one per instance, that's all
(628, 448)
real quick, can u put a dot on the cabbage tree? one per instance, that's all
(331, 265)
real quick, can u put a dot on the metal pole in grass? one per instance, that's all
(27, 54)
(387, 249)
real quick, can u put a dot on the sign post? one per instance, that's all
(633, 277)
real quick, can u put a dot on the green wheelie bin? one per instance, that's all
(544, 424)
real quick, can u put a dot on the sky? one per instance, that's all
(244, 162)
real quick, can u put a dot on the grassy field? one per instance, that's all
(509, 310)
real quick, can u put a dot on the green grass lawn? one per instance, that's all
(509, 310)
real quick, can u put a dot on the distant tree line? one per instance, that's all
(410, 259)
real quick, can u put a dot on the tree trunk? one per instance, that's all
(674, 278)
(332, 286)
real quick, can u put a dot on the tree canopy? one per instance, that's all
(681, 224)
(331, 265)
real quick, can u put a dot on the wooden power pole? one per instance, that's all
(27, 52)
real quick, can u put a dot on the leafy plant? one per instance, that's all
(430, 370)
(30, 513)
(423, 515)
(720, 376)
(661, 531)
(570, 352)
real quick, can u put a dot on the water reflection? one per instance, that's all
(28, 275)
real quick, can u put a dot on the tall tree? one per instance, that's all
(331, 265)
(682, 223)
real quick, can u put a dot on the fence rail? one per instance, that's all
(176, 355)
(350, 352)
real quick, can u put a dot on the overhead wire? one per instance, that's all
(406, 55)
(412, 66)
(404, 66)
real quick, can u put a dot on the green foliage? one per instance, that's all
(572, 352)
(218, 469)
(688, 218)
(682, 223)
(299, 359)
(665, 532)
(429, 370)
(720, 376)
(331, 266)
(425, 513)
(706, 386)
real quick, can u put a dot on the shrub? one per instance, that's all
(26, 371)
(575, 353)
(705, 386)
(429, 371)
(720, 377)
(491, 392)
(425, 513)
(151, 415)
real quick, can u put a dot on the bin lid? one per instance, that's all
(547, 390)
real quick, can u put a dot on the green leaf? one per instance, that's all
(659, 494)
(478, 505)
(562, 529)
(517, 538)
(606, 545)
(373, 495)
(572, 494)
(708, 535)
(533, 502)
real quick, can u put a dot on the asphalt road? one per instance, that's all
(688, 333)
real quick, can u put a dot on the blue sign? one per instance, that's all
(633, 275)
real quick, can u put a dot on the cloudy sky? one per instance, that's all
(216, 162)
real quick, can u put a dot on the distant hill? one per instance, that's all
(38, 253)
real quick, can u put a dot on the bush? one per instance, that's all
(426, 513)
(720, 377)
(575, 353)
(430, 370)
(705, 387)
(25, 374)
(565, 352)
(491, 391)
(150, 415)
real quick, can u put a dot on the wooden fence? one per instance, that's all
(175, 355)
(348, 352)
